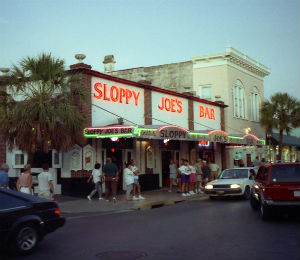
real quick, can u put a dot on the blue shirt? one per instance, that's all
(4, 178)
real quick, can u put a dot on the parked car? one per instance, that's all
(232, 182)
(25, 220)
(276, 186)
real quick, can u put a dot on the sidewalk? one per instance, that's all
(153, 199)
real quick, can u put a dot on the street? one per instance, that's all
(196, 229)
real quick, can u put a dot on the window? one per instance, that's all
(238, 100)
(19, 159)
(255, 104)
(205, 92)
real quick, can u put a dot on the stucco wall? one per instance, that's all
(175, 75)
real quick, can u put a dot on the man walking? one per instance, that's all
(45, 183)
(111, 173)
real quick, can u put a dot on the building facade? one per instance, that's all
(130, 120)
(231, 77)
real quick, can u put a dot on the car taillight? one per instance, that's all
(56, 212)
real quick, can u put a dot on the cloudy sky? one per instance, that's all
(152, 32)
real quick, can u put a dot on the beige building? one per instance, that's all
(231, 77)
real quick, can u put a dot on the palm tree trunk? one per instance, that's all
(280, 144)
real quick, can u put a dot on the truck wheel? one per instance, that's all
(265, 212)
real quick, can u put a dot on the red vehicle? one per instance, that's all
(276, 186)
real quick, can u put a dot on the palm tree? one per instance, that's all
(282, 113)
(38, 111)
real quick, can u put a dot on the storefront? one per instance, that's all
(290, 148)
(129, 120)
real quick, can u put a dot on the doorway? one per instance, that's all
(166, 156)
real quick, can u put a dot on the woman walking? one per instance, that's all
(128, 176)
(24, 182)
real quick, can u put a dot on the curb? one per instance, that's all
(158, 204)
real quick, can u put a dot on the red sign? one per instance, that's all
(116, 94)
(206, 112)
(170, 104)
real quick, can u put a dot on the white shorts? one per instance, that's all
(25, 190)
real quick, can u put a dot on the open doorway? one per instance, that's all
(166, 156)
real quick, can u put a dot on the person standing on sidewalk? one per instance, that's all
(206, 173)
(214, 170)
(97, 179)
(193, 180)
(24, 182)
(111, 173)
(173, 173)
(4, 179)
(198, 166)
(136, 184)
(185, 176)
(46, 189)
(128, 177)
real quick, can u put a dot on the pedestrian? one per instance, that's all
(256, 162)
(45, 180)
(178, 177)
(111, 174)
(128, 177)
(136, 184)
(173, 173)
(185, 172)
(4, 180)
(97, 179)
(198, 166)
(214, 170)
(193, 180)
(206, 173)
(263, 162)
(24, 182)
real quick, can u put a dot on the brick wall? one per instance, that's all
(191, 114)
(148, 107)
(2, 138)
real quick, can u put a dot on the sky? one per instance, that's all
(142, 33)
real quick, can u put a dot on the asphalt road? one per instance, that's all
(199, 229)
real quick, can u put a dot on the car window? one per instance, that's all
(285, 173)
(10, 202)
(234, 174)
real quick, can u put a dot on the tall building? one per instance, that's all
(230, 77)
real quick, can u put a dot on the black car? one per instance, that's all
(25, 220)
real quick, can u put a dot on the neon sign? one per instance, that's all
(206, 112)
(108, 132)
(170, 104)
(116, 94)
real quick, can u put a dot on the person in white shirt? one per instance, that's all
(46, 189)
(193, 180)
(214, 170)
(97, 179)
(128, 177)
(185, 172)
(136, 184)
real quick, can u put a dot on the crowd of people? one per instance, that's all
(24, 183)
(188, 177)
(191, 177)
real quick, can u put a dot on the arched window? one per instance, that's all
(255, 104)
(238, 100)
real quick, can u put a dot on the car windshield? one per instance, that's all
(285, 173)
(234, 174)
